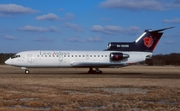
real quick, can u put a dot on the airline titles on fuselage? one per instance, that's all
(45, 53)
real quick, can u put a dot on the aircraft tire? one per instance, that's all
(27, 71)
(99, 72)
(94, 72)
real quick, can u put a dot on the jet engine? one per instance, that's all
(118, 56)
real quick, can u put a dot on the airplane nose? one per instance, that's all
(8, 62)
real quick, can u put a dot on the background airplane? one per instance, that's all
(117, 54)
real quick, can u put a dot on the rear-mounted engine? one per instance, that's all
(118, 56)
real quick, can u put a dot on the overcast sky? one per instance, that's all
(85, 24)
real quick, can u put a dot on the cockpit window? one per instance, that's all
(15, 56)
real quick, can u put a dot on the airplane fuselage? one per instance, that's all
(74, 59)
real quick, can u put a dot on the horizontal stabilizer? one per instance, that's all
(159, 30)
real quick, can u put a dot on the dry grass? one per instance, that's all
(130, 88)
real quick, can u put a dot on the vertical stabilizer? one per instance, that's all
(146, 42)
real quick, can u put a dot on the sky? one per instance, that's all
(85, 24)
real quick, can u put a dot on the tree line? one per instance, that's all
(164, 59)
(4, 57)
(157, 60)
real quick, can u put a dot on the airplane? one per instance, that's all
(117, 54)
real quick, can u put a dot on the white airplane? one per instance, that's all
(118, 54)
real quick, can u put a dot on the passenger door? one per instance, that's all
(29, 58)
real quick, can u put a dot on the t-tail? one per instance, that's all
(145, 43)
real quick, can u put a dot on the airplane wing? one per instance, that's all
(98, 64)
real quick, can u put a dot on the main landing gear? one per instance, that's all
(96, 71)
(26, 71)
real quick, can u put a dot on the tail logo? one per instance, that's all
(148, 41)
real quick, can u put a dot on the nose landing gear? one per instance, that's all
(26, 71)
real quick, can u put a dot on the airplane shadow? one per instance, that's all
(104, 75)
(133, 75)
